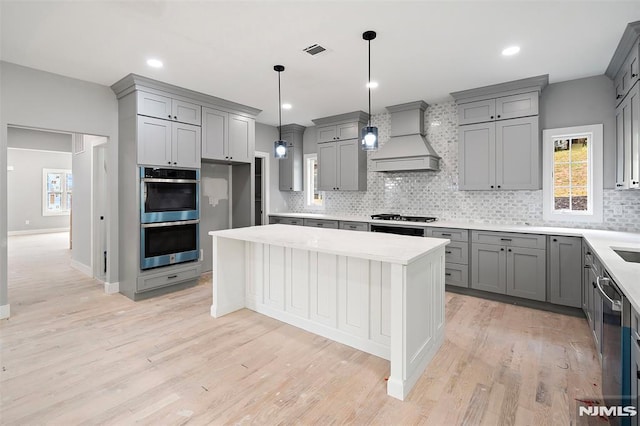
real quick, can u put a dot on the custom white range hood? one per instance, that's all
(407, 149)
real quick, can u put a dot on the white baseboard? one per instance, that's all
(5, 311)
(82, 268)
(111, 288)
(37, 231)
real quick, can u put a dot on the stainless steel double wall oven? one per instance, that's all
(169, 216)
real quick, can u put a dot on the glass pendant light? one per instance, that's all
(369, 133)
(279, 146)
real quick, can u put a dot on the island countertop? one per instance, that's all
(382, 247)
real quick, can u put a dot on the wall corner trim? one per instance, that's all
(111, 288)
(5, 311)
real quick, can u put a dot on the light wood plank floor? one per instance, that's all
(71, 355)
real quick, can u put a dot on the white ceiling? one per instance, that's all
(424, 50)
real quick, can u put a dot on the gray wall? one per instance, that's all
(584, 101)
(25, 186)
(214, 206)
(38, 139)
(38, 99)
(265, 136)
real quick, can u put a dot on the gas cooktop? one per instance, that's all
(392, 216)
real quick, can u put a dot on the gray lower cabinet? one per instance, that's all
(565, 271)
(155, 280)
(456, 268)
(354, 226)
(506, 268)
(285, 220)
(321, 223)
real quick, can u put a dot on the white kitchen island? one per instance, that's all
(379, 293)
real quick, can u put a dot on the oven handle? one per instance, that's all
(177, 223)
(158, 180)
(616, 305)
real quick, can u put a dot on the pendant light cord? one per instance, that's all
(369, 83)
(280, 110)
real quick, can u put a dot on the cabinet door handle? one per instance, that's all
(175, 117)
(618, 96)
(498, 186)
(509, 250)
(168, 162)
(169, 116)
(491, 117)
(498, 116)
(555, 240)
(491, 186)
(593, 284)
(618, 185)
(634, 75)
(175, 162)
(502, 249)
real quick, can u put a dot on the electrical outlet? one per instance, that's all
(26, 222)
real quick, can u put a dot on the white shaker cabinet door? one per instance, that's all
(477, 156)
(186, 145)
(154, 141)
(518, 154)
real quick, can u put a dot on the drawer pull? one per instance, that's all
(505, 239)
(448, 251)
(445, 235)
(352, 227)
(319, 224)
(170, 277)
(448, 274)
(637, 337)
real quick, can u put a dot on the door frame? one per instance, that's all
(96, 171)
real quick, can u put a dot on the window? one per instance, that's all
(313, 197)
(572, 174)
(56, 192)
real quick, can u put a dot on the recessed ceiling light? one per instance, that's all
(372, 84)
(511, 50)
(286, 106)
(154, 63)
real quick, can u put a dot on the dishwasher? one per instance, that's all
(616, 350)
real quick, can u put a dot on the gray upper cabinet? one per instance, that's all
(227, 136)
(477, 112)
(565, 271)
(291, 168)
(499, 136)
(512, 264)
(502, 108)
(517, 154)
(628, 75)
(342, 165)
(165, 143)
(154, 105)
(627, 140)
(500, 155)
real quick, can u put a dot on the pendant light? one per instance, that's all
(279, 146)
(369, 132)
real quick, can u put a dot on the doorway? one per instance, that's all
(261, 185)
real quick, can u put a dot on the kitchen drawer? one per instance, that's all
(163, 279)
(457, 275)
(286, 220)
(450, 233)
(354, 226)
(457, 252)
(321, 223)
(509, 239)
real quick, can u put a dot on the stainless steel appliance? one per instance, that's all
(168, 195)
(167, 243)
(400, 229)
(616, 351)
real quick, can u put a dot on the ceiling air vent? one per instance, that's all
(314, 49)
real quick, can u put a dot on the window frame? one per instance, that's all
(307, 184)
(595, 166)
(65, 209)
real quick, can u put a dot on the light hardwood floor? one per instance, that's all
(71, 354)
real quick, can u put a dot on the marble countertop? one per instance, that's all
(625, 274)
(390, 248)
